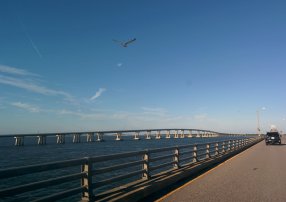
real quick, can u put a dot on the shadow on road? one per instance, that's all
(282, 144)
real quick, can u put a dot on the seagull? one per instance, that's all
(125, 44)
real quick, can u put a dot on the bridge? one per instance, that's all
(119, 177)
(257, 174)
(92, 136)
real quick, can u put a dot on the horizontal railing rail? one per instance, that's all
(98, 174)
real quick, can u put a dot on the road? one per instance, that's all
(257, 174)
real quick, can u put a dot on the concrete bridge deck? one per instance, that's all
(257, 174)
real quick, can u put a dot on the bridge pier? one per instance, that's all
(182, 134)
(60, 139)
(19, 141)
(158, 135)
(76, 138)
(176, 135)
(190, 134)
(118, 136)
(136, 136)
(168, 134)
(99, 137)
(148, 135)
(90, 137)
(204, 134)
(41, 139)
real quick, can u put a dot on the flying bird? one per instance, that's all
(126, 43)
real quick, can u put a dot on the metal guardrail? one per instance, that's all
(97, 172)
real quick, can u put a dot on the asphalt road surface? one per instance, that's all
(257, 174)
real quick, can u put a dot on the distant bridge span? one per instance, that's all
(92, 136)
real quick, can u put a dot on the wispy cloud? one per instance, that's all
(82, 115)
(26, 106)
(23, 79)
(201, 117)
(154, 111)
(15, 71)
(31, 86)
(98, 94)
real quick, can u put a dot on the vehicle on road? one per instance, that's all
(272, 138)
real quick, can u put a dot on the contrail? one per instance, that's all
(98, 93)
(30, 39)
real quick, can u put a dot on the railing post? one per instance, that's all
(208, 151)
(86, 181)
(146, 174)
(223, 147)
(195, 158)
(236, 144)
(216, 149)
(176, 158)
(229, 145)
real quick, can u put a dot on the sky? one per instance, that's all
(213, 65)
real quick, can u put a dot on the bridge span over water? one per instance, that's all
(92, 136)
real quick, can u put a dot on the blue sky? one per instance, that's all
(195, 64)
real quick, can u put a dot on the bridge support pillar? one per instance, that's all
(99, 137)
(148, 135)
(19, 141)
(136, 136)
(76, 138)
(182, 134)
(90, 137)
(41, 139)
(118, 136)
(158, 135)
(168, 134)
(60, 139)
(176, 135)
(190, 134)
